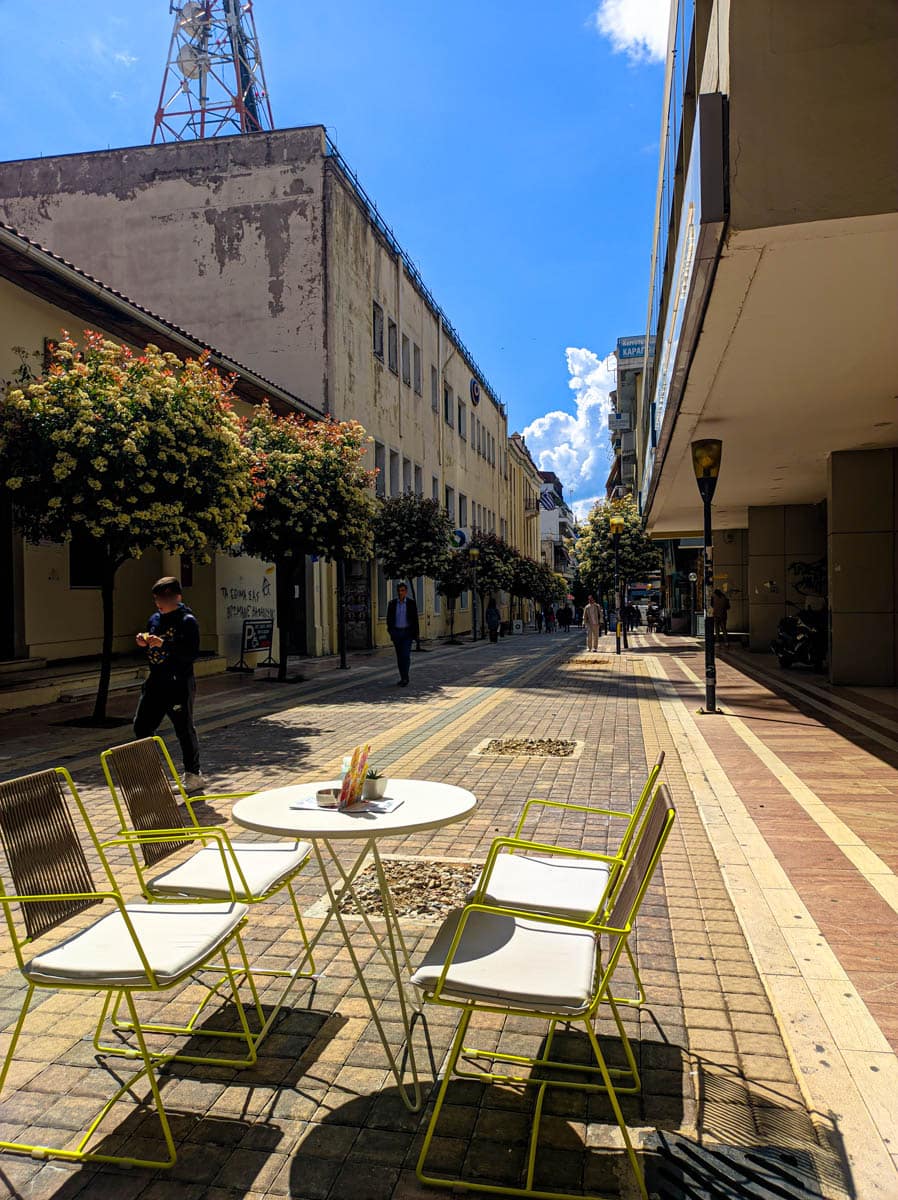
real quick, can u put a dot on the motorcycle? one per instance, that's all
(801, 638)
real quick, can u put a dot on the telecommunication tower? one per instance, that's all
(214, 83)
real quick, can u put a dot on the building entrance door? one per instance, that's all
(358, 606)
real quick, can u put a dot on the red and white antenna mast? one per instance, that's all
(214, 83)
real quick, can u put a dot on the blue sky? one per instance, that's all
(512, 147)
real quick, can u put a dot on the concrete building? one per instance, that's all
(556, 525)
(49, 599)
(268, 244)
(773, 301)
(629, 357)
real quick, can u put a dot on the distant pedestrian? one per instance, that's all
(550, 619)
(720, 607)
(172, 643)
(592, 619)
(493, 619)
(402, 626)
(538, 618)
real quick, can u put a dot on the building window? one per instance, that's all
(394, 473)
(448, 414)
(85, 561)
(417, 370)
(462, 510)
(450, 503)
(378, 325)
(462, 420)
(434, 389)
(437, 602)
(419, 482)
(434, 488)
(406, 475)
(503, 529)
(463, 601)
(380, 462)
(479, 437)
(393, 347)
(406, 360)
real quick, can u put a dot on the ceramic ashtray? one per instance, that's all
(328, 797)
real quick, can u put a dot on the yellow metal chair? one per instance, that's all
(579, 884)
(141, 776)
(135, 948)
(490, 959)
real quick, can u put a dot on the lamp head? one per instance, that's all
(706, 456)
(616, 525)
(474, 554)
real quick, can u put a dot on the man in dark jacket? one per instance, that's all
(402, 626)
(172, 643)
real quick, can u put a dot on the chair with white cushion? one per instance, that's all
(134, 948)
(574, 883)
(144, 783)
(490, 959)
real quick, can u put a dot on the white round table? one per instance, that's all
(292, 812)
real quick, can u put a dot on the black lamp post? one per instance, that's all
(474, 554)
(706, 464)
(616, 525)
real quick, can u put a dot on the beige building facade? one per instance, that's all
(51, 605)
(269, 245)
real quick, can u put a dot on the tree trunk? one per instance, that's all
(283, 577)
(107, 592)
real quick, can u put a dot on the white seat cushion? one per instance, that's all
(263, 864)
(559, 887)
(175, 938)
(513, 962)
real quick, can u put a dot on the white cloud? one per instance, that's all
(582, 508)
(575, 444)
(123, 57)
(637, 28)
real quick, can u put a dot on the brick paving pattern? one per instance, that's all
(318, 1118)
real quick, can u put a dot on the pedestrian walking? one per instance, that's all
(493, 619)
(592, 619)
(172, 643)
(550, 619)
(402, 626)
(539, 620)
(720, 607)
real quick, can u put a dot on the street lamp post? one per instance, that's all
(474, 554)
(616, 525)
(706, 456)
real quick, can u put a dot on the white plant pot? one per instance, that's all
(374, 789)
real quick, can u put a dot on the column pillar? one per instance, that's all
(863, 554)
(779, 535)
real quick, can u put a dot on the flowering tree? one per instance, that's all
(134, 451)
(314, 497)
(454, 578)
(411, 538)
(551, 588)
(638, 554)
(525, 579)
(495, 567)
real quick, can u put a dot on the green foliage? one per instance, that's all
(639, 556)
(136, 451)
(411, 536)
(495, 564)
(455, 576)
(525, 582)
(551, 588)
(314, 494)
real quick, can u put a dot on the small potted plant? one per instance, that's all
(375, 785)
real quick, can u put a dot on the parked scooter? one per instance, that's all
(801, 638)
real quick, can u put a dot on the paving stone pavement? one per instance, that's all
(724, 1111)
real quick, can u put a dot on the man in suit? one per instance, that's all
(402, 626)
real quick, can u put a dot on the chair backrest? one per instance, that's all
(43, 851)
(638, 873)
(140, 774)
(645, 795)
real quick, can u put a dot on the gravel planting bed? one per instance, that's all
(535, 747)
(425, 889)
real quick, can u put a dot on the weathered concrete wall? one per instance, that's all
(361, 270)
(224, 237)
(813, 91)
